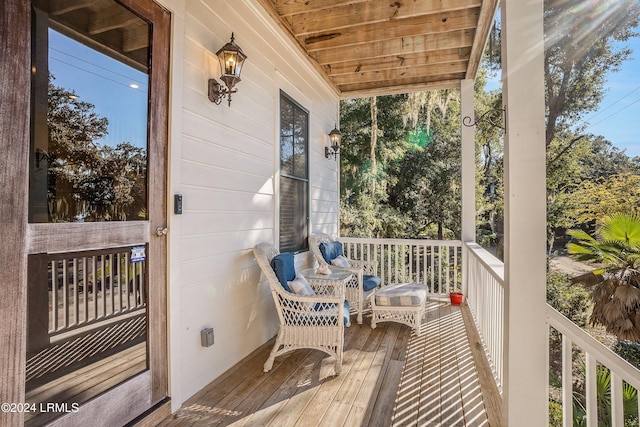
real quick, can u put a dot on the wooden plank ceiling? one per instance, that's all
(366, 47)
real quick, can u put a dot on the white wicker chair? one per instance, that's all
(354, 292)
(314, 322)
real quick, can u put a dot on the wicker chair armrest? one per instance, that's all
(313, 299)
(311, 311)
(368, 267)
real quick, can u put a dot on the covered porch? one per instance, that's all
(390, 376)
(490, 373)
(450, 374)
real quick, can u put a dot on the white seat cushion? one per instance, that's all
(300, 286)
(401, 295)
(340, 261)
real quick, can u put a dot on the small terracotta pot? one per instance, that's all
(456, 298)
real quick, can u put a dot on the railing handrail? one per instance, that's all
(485, 298)
(494, 266)
(602, 353)
(400, 241)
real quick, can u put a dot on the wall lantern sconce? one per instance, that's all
(335, 136)
(231, 59)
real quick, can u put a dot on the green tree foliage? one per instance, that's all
(629, 351)
(616, 285)
(364, 178)
(86, 180)
(400, 167)
(583, 182)
(489, 165)
(582, 48)
(580, 53)
(571, 301)
(603, 401)
(427, 187)
(593, 201)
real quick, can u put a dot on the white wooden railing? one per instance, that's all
(441, 264)
(91, 287)
(485, 298)
(574, 340)
(437, 263)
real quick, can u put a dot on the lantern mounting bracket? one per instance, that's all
(217, 92)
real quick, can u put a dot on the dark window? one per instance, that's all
(294, 176)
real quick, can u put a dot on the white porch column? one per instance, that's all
(468, 180)
(525, 339)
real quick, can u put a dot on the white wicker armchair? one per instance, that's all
(314, 322)
(355, 291)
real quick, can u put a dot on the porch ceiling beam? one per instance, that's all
(401, 73)
(371, 12)
(395, 86)
(398, 28)
(403, 46)
(398, 61)
(485, 22)
(294, 7)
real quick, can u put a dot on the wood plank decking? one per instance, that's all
(87, 382)
(390, 376)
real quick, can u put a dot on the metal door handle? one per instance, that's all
(161, 231)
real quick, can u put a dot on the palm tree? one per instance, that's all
(616, 284)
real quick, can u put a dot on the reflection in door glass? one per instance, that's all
(90, 161)
(87, 323)
(87, 326)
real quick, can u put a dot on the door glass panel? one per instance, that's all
(89, 145)
(87, 327)
(87, 310)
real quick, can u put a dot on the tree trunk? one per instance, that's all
(374, 140)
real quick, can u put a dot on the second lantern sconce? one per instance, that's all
(335, 136)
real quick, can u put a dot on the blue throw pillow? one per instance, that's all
(370, 282)
(284, 268)
(331, 250)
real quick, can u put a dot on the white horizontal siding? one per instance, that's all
(209, 198)
(224, 161)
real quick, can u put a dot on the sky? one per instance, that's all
(108, 84)
(618, 118)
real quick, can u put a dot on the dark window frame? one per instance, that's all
(293, 181)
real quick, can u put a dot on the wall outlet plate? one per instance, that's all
(206, 337)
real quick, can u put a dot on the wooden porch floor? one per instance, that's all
(390, 376)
